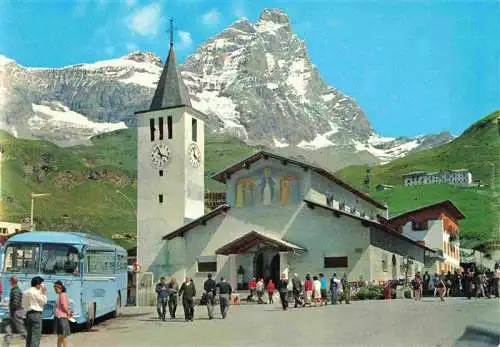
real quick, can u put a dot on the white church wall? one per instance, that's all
(321, 185)
(325, 235)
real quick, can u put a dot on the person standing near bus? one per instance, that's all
(173, 289)
(188, 292)
(162, 299)
(62, 314)
(34, 299)
(16, 312)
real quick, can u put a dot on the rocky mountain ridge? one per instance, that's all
(253, 80)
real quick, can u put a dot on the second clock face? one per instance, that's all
(160, 156)
(194, 155)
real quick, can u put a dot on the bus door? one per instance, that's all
(100, 280)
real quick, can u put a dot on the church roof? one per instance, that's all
(368, 223)
(202, 220)
(446, 205)
(223, 175)
(170, 91)
(244, 243)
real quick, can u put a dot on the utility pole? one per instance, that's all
(33, 196)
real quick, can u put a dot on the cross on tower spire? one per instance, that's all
(171, 31)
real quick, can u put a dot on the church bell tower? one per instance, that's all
(170, 168)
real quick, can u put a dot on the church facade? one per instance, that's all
(281, 215)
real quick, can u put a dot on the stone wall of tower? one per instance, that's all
(195, 176)
(181, 185)
(155, 218)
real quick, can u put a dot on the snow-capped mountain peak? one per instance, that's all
(253, 80)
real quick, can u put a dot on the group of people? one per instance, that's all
(308, 292)
(32, 302)
(167, 294)
(467, 284)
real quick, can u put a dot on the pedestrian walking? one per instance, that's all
(271, 288)
(297, 290)
(334, 288)
(16, 312)
(324, 285)
(209, 288)
(346, 288)
(441, 288)
(283, 288)
(316, 290)
(162, 298)
(468, 279)
(427, 279)
(225, 291)
(416, 286)
(188, 293)
(173, 289)
(251, 287)
(33, 301)
(259, 288)
(62, 315)
(308, 287)
(496, 281)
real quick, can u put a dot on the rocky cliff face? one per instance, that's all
(253, 80)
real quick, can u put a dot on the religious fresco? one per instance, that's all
(266, 188)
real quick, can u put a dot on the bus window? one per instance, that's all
(60, 259)
(100, 263)
(21, 258)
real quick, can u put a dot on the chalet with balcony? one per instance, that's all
(435, 226)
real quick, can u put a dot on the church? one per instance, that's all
(281, 215)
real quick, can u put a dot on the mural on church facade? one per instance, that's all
(266, 188)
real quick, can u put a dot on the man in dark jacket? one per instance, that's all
(162, 301)
(283, 288)
(209, 287)
(225, 291)
(188, 292)
(16, 312)
(297, 289)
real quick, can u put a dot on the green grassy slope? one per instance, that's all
(477, 149)
(80, 203)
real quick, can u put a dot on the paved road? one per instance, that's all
(363, 323)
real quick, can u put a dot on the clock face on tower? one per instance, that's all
(160, 156)
(194, 155)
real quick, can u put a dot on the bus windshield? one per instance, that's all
(22, 258)
(59, 259)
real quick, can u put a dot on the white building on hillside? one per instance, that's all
(460, 176)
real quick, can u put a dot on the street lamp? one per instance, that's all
(33, 196)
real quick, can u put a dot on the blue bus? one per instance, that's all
(93, 269)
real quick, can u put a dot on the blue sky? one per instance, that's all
(415, 67)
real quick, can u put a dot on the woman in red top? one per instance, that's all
(252, 284)
(308, 288)
(271, 288)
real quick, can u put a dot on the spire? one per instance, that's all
(170, 91)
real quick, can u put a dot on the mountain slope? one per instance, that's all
(255, 81)
(477, 149)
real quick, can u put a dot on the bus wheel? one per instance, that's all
(118, 304)
(90, 317)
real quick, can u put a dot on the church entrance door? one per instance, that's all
(267, 265)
